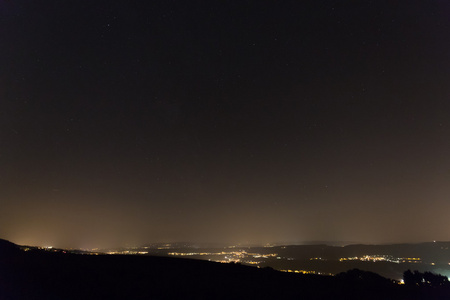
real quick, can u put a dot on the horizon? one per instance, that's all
(178, 244)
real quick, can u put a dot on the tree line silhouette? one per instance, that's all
(430, 279)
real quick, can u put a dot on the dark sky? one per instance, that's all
(225, 121)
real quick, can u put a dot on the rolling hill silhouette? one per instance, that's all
(40, 274)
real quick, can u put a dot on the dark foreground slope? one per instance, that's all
(48, 275)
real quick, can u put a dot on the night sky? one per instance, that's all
(224, 121)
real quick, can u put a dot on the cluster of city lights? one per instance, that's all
(306, 272)
(127, 252)
(379, 258)
(240, 256)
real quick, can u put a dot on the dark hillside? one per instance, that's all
(40, 274)
(7, 248)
